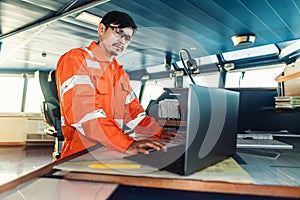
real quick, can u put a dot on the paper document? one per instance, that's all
(114, 166)
(228, 170)
(111, 162)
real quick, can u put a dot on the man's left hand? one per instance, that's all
(168, 134)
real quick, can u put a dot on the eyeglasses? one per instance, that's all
(118, 31)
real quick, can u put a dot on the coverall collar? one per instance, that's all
(100, 56)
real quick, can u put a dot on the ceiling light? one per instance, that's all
(292, 48)
(243, 40)
(29, 62)
(89, 18)
(254, 52)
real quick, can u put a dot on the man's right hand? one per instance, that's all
(143, 146)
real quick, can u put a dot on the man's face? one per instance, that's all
(114, 40)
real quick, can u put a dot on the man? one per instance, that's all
(96, 98)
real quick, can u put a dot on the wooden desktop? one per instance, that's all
(268, 188)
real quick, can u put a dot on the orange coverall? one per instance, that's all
(96, 100)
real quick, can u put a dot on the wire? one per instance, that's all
(187, 71)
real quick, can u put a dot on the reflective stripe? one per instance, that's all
(75, 80)
(120, 122)
(92, 64)
(130, 97)
(62, 121)
(89, 52)
(133, 123)
(92, 115)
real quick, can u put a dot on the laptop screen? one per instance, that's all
(212, 121)
(207, 117)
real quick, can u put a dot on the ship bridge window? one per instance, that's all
(207, 79)
(11, 89)
(13, 99)
(34, 96)
(154, 88)
(254, 77)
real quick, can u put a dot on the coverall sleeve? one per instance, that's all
(137, 119)
(80, 103)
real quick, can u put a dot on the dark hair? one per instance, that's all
(121, 19)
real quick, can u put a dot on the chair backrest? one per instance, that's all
(51, 106)
(51, 109)
(48, 86)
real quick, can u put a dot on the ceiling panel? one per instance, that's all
(164, 27)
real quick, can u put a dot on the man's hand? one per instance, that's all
(168, 134)
(143, 146)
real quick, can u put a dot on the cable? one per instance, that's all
(191, 64)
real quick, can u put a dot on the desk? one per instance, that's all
(271, 178)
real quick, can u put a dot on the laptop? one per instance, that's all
(210, 131)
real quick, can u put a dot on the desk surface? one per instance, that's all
(255, 173)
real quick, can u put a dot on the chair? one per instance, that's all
(51, 109)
